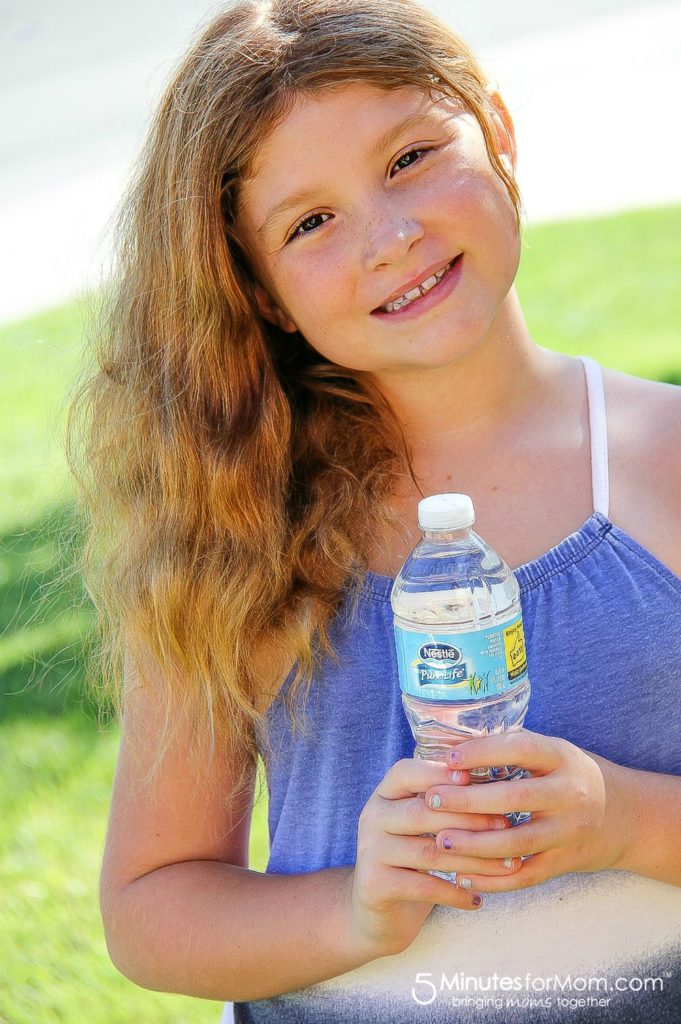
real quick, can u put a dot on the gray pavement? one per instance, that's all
(593, 86)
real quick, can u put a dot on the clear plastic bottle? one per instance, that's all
(459, 638)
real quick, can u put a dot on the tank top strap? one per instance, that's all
(598, 427)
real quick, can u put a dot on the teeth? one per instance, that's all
(417, 292)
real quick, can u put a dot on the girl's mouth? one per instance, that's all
(433, 297)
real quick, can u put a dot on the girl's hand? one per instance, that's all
(578, 804)
(390, 892)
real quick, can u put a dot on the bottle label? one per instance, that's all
(462, 666)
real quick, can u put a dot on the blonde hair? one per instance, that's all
(225, 470)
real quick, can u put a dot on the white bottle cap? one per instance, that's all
(446, 512)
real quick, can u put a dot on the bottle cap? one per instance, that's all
(446, 512)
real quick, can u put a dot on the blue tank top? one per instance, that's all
(602, 619)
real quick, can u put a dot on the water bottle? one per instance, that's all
(459, 639)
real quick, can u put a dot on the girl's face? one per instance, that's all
(393, 187)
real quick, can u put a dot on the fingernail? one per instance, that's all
(454, 758)
(447, 843)
(477, 900)
(465, 883)
(456, 776)
(436, 801)
(508, 863)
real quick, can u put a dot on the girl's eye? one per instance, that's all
(301, 225)
(410, 152)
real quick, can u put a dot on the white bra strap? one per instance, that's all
(598, 426)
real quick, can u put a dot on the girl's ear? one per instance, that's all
(503, 123)
(270, 311)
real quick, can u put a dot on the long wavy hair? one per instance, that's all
(226, 472)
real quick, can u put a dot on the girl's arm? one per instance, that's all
(219, 931)
(182, 913)
(651, 813)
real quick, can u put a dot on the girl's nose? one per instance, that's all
(389, 240)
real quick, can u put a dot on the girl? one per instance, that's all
(313, 325)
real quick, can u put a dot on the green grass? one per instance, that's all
(609, 288)
(606, 287)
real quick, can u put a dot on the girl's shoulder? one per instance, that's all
(626, 385)
(645, 417)
(644, 444)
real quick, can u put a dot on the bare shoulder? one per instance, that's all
(639, 388)
(647, 414)
(644, 441)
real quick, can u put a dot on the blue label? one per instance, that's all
(468, 666)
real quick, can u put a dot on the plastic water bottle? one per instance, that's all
(459, 639)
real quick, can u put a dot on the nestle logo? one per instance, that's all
(439, 652)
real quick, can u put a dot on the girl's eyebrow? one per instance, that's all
(303, 196)
(307, 195)
(384, 140)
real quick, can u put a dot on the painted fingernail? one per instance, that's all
(454, 758)
(465, 883)
(508, 863)
(447, 843)
(456, 776)
(477, 900)
(436, 801)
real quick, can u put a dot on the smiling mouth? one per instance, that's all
(403, 303)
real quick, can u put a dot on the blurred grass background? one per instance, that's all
(608, 287)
